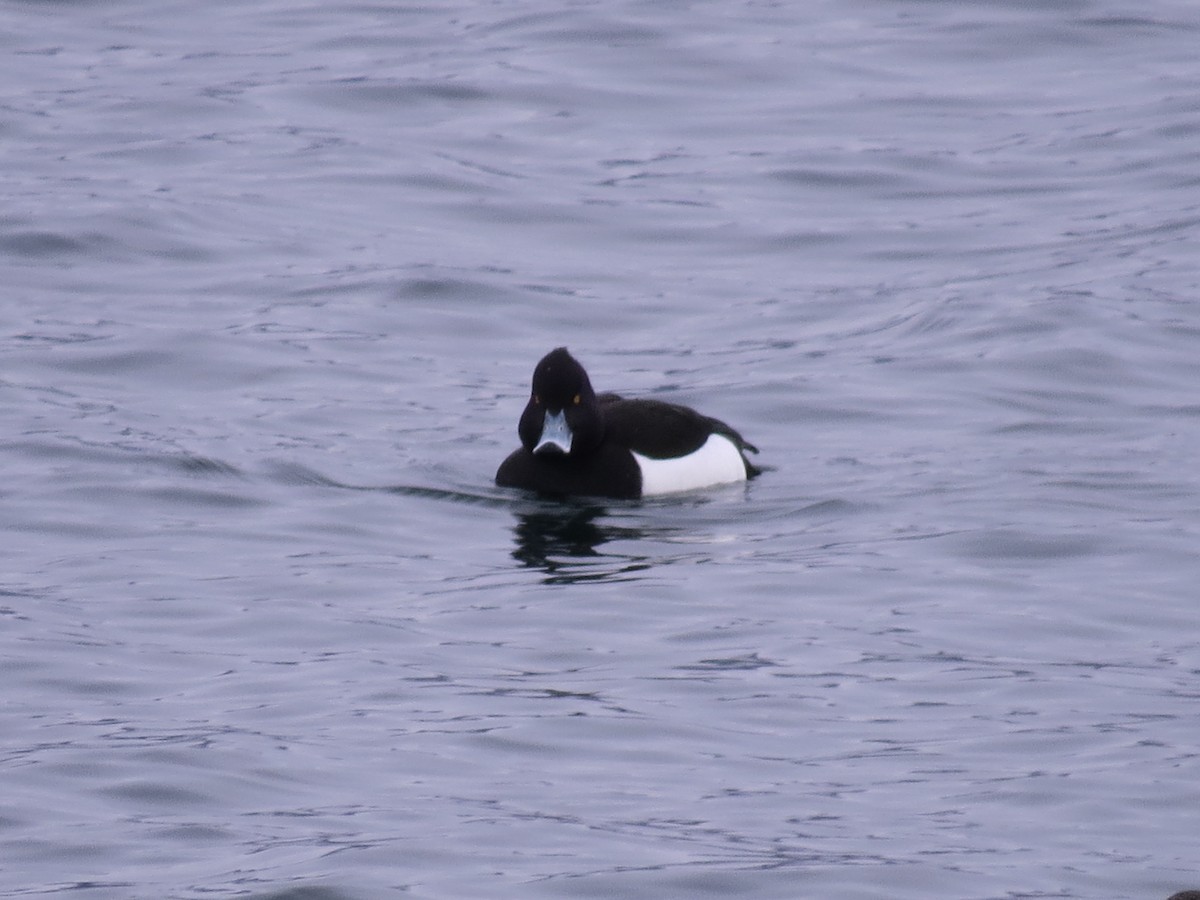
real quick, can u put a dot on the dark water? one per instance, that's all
(275, 277)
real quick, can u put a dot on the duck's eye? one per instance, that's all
(576, 400)
(537, 401)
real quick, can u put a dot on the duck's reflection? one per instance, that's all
(564, 541)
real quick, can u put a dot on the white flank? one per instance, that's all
(717, 462)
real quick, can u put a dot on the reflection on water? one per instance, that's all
(561, 538)
(563, 542)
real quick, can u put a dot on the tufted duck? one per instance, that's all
(577, 442)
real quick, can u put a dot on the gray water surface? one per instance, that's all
(275, 278)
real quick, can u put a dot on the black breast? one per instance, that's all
(609, 471)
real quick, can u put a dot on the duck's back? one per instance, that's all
(660, 430)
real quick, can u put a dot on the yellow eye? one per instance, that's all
(576, 400)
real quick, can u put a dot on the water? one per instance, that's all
(275, 280)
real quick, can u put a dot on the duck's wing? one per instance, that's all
(662, 430)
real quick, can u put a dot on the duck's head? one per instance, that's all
(562, 417)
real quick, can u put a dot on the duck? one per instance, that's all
(575, 442)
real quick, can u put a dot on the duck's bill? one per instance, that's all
(556, 434)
